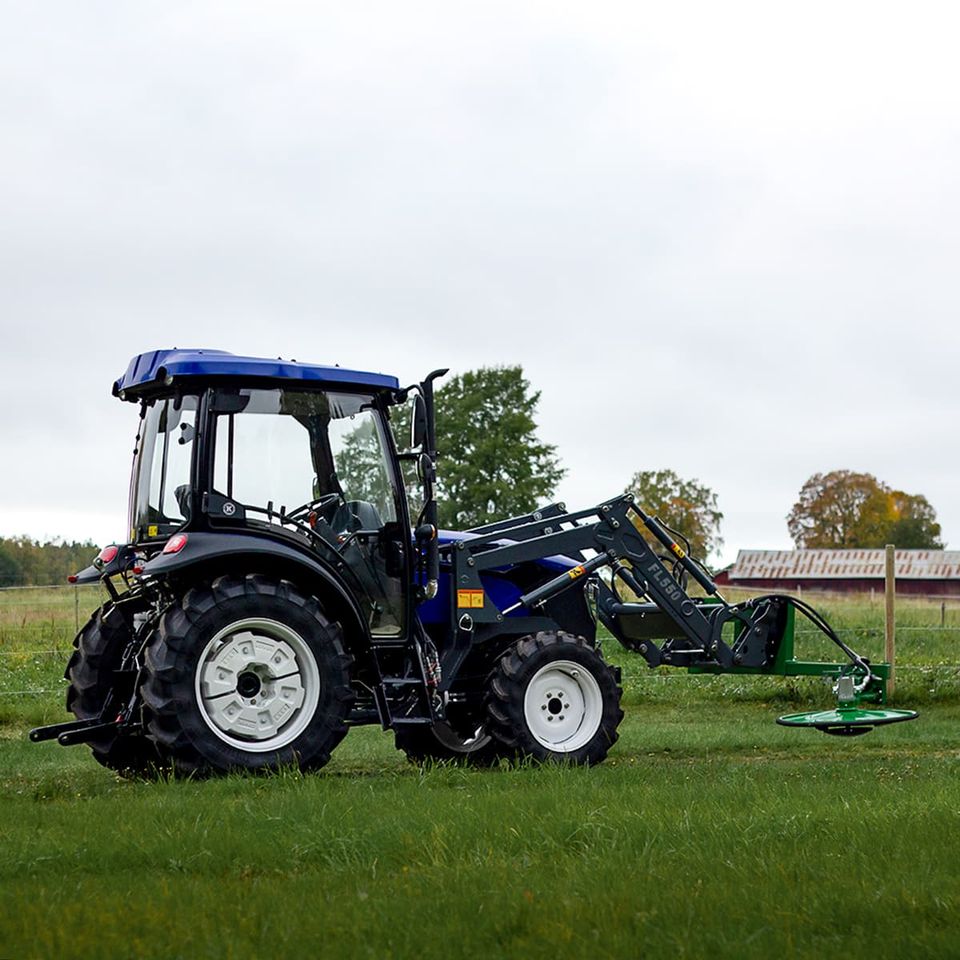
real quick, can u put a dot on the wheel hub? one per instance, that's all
(248, 684)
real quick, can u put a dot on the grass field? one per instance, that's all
(710, 831)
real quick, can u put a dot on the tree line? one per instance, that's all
(26, 562)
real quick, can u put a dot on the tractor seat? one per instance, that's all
(356, 515)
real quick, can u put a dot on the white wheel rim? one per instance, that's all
(257, 685)
(563, 706)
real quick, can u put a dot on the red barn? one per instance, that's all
(919, 572)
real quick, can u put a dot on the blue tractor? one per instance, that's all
(275, 590)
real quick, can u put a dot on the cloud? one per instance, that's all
(718, 238)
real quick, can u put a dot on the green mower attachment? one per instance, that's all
(849, 719)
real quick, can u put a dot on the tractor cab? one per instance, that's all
(309, 463)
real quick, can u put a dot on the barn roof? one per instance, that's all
(844, 564)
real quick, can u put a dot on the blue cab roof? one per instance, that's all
(150, 370)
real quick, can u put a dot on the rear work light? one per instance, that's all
(108, 554)
(176, 543)
(105, 556)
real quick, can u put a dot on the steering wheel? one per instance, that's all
(313, 505)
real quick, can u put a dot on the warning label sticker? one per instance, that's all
(469, 599)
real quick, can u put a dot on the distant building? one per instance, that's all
(920, 572)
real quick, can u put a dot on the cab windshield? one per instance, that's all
(160, 485)
(290, 449)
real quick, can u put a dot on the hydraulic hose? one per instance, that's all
(817, 619)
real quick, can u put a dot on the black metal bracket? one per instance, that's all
(703, 631)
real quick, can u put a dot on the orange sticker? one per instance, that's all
(576, 572)
(470, 599)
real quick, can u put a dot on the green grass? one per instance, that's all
(710, 832)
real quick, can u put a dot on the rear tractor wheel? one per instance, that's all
(247, 674)
(554, 697)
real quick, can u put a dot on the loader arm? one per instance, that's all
(662, 622)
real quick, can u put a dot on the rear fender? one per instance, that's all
(123, 559)
(212, 554)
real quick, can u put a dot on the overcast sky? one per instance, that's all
(721, 238)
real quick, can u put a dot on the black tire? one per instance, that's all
(184, 723)
(449, 741)
(570, 691)
(98, 650)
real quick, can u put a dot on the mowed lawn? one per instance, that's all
(710, 831)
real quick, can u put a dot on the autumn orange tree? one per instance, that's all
(845, 509)
(687, 506)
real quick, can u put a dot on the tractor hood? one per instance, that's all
(556, 563)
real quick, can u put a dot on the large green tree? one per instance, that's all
(687, 506)
(844, 509)
(491, 463)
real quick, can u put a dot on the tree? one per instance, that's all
(916, 525)
(360, 467)
(27, 562)
(10, 573)
(844, 509)
(491, 464)
(687, 506)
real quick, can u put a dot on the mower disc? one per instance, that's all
(846, 721)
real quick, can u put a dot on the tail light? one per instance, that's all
(176, 543)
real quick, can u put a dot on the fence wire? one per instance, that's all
(63, 608)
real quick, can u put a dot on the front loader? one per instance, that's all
(276, 590)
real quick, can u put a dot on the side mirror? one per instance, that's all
(418, 422)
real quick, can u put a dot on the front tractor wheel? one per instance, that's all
(554, 697)
(246, 674)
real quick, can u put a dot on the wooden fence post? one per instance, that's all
(889, 646)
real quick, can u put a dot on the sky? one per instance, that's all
(719, 238)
